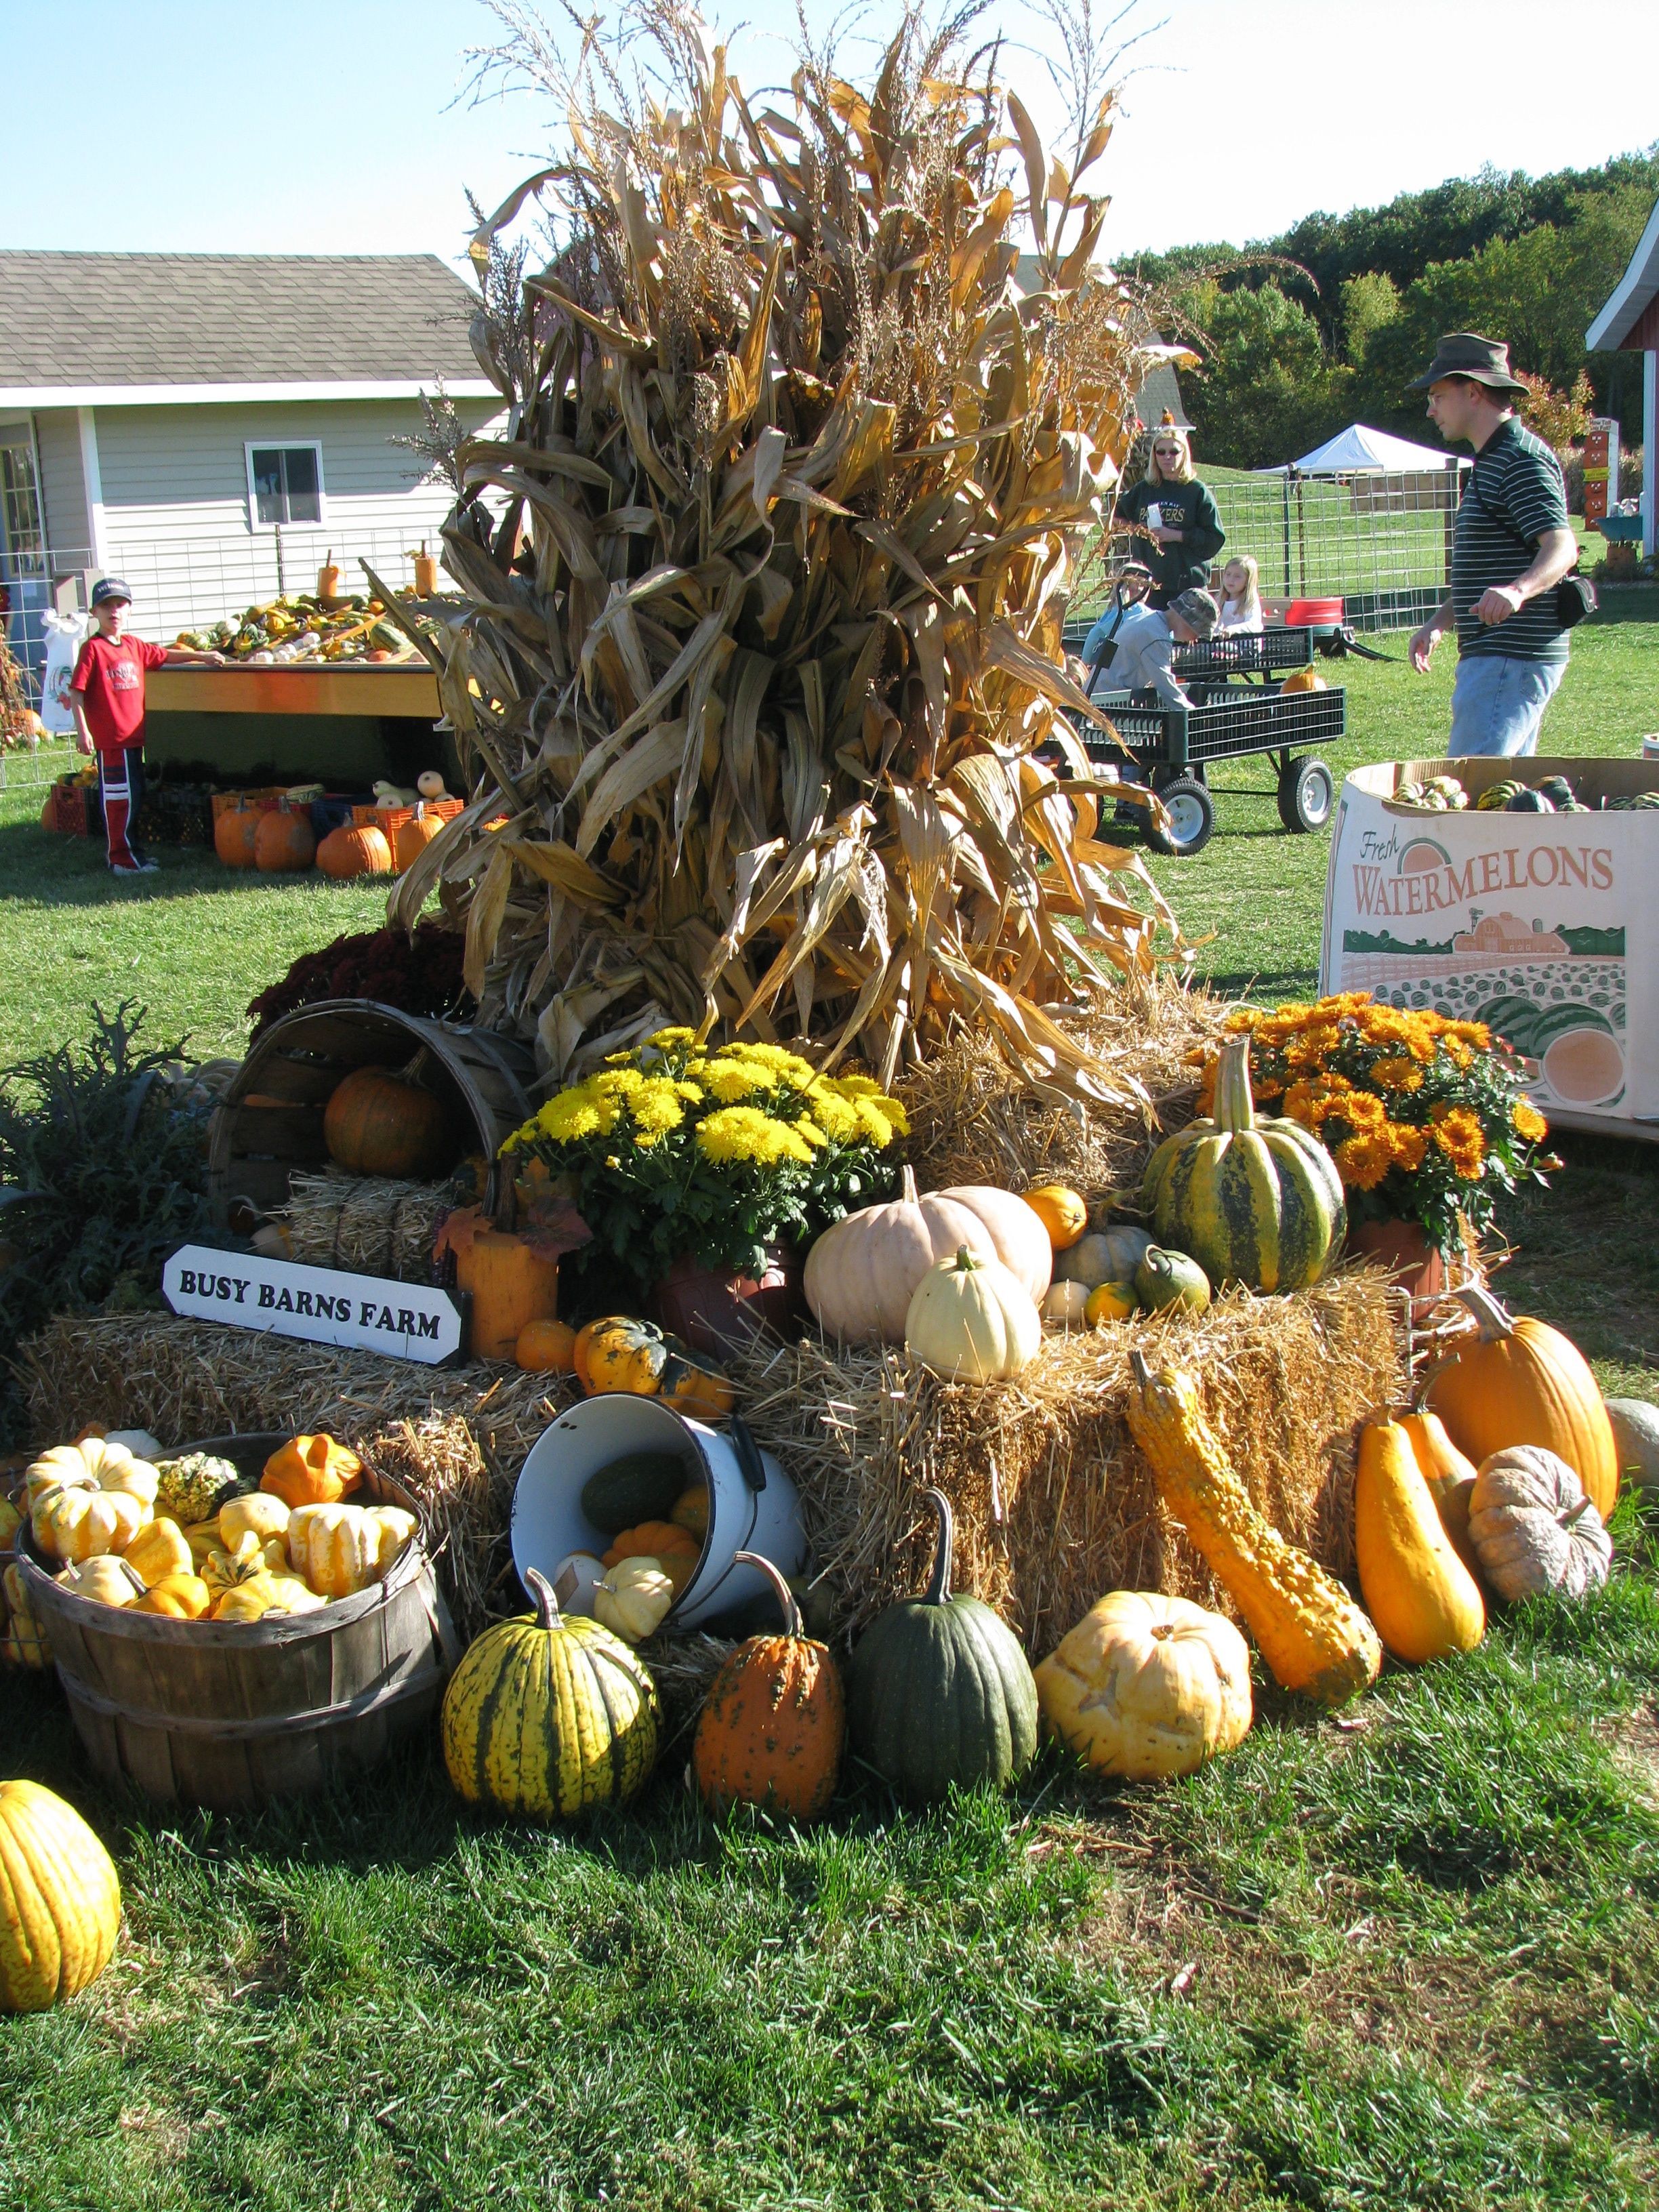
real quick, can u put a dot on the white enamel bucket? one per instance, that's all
(752, 1503)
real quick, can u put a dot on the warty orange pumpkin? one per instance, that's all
(773, 1726)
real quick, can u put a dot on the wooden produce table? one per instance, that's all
(343, 722)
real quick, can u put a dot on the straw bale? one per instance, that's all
(1054, 1504)
(371, 1224)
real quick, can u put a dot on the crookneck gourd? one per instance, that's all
(1313, 1636)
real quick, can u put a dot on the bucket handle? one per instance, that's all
(751, 1466)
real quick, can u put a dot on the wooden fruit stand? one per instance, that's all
(342, 722)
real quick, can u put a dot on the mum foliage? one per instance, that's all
(1426, 1118)
(674, 1150)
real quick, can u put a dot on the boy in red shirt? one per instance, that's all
(107, 694)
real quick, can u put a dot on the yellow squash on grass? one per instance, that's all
(60, 1900)
(1422, 1597)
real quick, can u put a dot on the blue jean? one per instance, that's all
(1498, 701)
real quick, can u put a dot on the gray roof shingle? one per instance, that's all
(96, 319)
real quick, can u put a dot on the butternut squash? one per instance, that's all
(1422, 1597)
(1313, 1636)
(1450, 1478)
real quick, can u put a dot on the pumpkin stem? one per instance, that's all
(1491, 1313)
(547, 1605)
(792, 1623)
(938, 1591)
(966, 1262)
(907, 1184)
(1234, 1107)
(1143, 1373)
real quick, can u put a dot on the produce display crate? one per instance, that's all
(72, 809)
(263, 800)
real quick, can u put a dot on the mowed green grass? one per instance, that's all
(1404, 1959)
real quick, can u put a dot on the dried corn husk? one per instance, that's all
(758, 653)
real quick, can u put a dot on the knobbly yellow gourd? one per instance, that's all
(1312, 1634)
(1422, 1597)
(60, 1900)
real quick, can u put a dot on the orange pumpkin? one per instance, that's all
(546, 1348)
(774, 1724)
(350, 851)
(414, 836)
(234, 834)
(621, 1353)
(282, 842)
(376, 1124)
(673, 1548)
(1519, 1381)
(311, 1471)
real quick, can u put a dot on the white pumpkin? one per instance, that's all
(972, 1322)
(1534, 1528)
(1635, 1439)
(862, 1274)
(1147, 1685)
(1065, 1305)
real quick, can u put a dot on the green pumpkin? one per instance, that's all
(938, 1691)
(1254, 1202)
(641, 1486)
(1171, 1279)
(1103, 1256)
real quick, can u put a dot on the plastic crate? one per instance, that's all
(263, 801)
(72, 809)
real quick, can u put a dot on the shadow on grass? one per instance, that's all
(41, 870)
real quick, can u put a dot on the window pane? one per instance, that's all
(268, 485)
(304, 498)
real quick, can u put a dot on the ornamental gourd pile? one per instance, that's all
(186, 1538)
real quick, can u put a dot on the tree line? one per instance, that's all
(1326, 324)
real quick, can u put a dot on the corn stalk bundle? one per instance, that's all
(766, 600)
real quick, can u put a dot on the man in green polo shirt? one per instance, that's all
(1512, 546)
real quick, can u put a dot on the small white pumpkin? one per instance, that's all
(634, 1599)
(1534, 1528)
(972, 1322)
(430, 784)
(1066, 1306)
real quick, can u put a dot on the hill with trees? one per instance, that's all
(1326, 324)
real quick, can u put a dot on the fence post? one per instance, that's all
(1287, 532)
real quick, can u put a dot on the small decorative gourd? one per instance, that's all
(1166, 1280)
(1066, 1306)
(1255, 1199)
(1312, 1634)
(549, 1715)
(545, 1347)
(256, 1513)
(1533, 1527)
(1423, 1599)
(1105, 1255)
(193, 1488)
(1147, 1686)
(971, 1321)
(263, 1594)
(773, 1724)
(620, 1353)
(248, 1557)
(862, 1274)
(159, 1549)
(177, 1597)
(311, 1471)
(1063, 1211)
(24, 1644)
(94, 1463)
(1450, 1476)
(77, 1523)
(938, 1691)
(105, 1580)
(60, 1900)
(1635, 1439)
(342, 1549)
(1518, 1381)
(633, 1599)
(674, 1550)
(1110, 1302)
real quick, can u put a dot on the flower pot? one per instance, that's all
(717, 1312)
(1413, 1263)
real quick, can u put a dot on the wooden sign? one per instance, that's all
(322, 1305)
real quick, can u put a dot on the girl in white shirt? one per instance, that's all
(1241, 602)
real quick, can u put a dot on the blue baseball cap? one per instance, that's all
(107, 588)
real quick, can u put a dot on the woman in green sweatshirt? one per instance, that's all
(1178, 532)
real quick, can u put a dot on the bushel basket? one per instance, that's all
(239, 1714)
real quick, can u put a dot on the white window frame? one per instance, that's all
(252, 446)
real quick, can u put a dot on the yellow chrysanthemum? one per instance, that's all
(1529, 1121)
(873, 1120)
(617, 1083)
(834, 1115)
(728, 1082)
(856, 1086)
(668, 1039)
(1458, 1134)
(744, 1133)
(656, 1107)
(1364, 1161)
(809, 1129)
(1394, 1071)
(571, 1114)
(1408, 1145)
(789, 1065)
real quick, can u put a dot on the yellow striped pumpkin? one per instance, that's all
(549, 1715)
(60, 1899)
(1253, 1200)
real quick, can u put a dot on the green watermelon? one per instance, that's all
(1552, 1022)
(1513, 1018)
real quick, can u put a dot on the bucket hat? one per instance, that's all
(1198, 610)
(1465, 353)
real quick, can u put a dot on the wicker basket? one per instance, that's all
(237, 1714)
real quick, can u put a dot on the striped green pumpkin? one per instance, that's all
(1255, 1202)
(549, 1715)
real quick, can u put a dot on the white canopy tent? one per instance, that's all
(1361, 450)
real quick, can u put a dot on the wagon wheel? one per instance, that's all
(1307, 793)
(1191, 818)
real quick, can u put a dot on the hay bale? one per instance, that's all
(367, 1225)
(1054, 1504)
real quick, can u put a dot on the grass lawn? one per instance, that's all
(1404, 1959)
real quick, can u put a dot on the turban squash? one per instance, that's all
(773, 1724)
(60, 1900)
(1535, 1526)
(1255, 1200)
(550, 1715)
(938, 1691)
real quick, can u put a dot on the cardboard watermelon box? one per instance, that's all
(1544, 926)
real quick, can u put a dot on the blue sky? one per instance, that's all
(328, 125)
